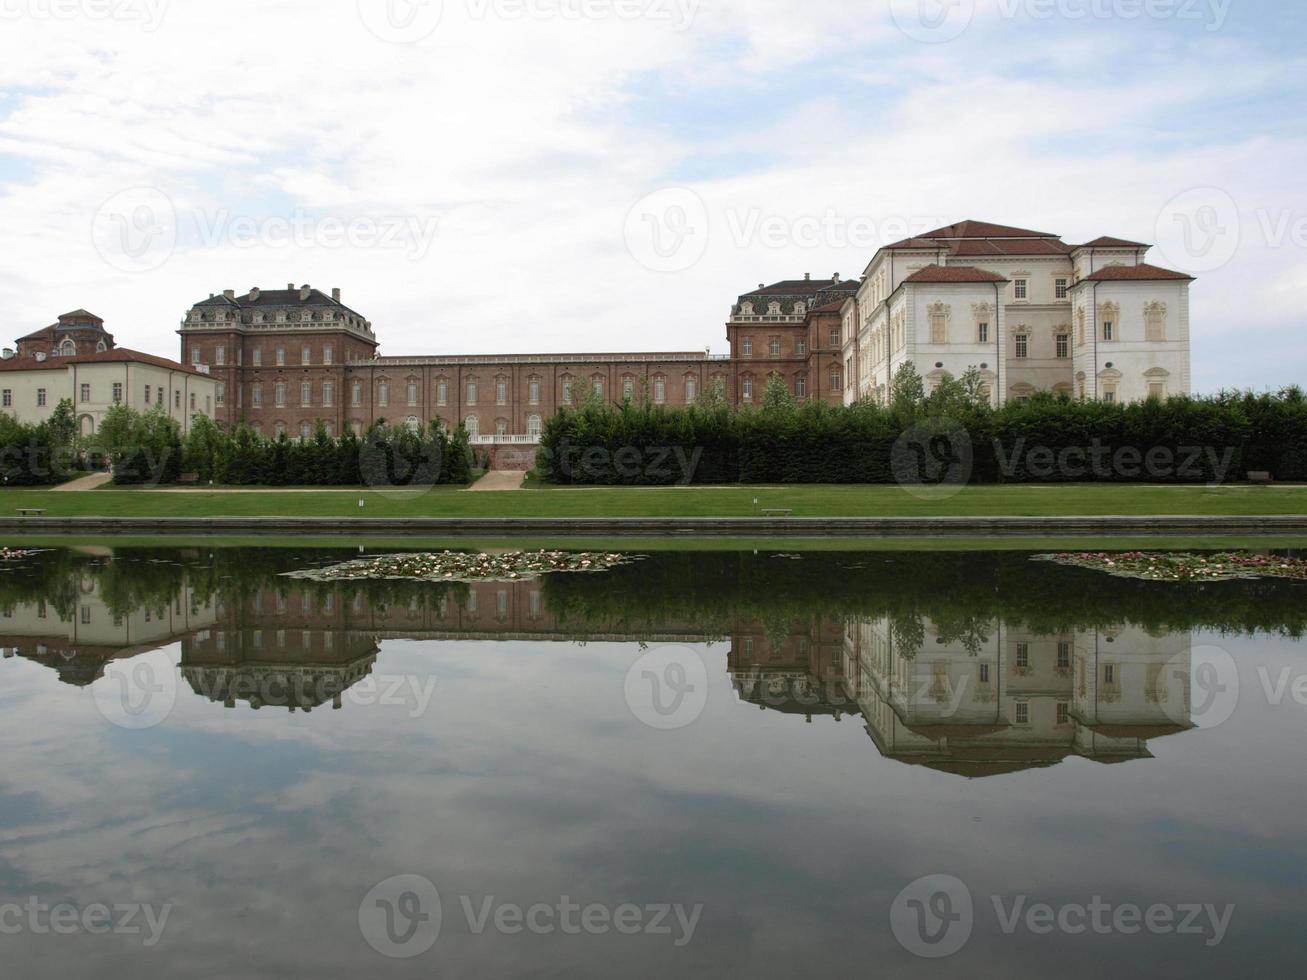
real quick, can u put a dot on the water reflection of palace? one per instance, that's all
(980, 702)
(78, 638)
(977, 701)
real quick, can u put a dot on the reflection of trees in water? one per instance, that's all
(959, 593)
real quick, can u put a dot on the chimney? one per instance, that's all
(8, 354)
(335, 294)
(255, 293)
(305, 290)
(837, 277)
(807, 277)
(229, 293)
(290, 287)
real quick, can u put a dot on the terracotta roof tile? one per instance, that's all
(1108, 242)
(1136, 273)
(119, 355)
(953, 273)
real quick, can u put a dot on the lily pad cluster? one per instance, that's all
(455, 566)
(1185, 567)
(14, 554)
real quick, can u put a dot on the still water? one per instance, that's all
(719, 764)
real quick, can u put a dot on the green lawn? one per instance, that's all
(806, 501)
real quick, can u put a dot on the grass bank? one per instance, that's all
(805, 501)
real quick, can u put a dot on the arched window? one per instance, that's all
(68, 348)
(533, 426)
(660, 390)
(473, 426)
(501, 427)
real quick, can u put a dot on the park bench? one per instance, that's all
(777, 512)
(1260, 478)
(31, 512)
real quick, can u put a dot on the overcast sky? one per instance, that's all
(511, 176)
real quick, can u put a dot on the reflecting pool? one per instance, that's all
(698, 764)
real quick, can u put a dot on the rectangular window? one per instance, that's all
(982, 333)
(501, 392)
(221, 391)
(1060, 288)
(192, 401)
(835, 337)
(984, 673)
(660, 391)
(328, 355)
(158, 396)
(177, 399)
(1063, 345)
(747, 347)
(147, 395)
(801, 347)
(1109, 396)
(40, 397)
(746, 389)
(8, 398)
(281, 357)
(1109, 330)
(691, 389)
(195, 355)
(306, 356)
(1023, 346)
(442, 393)
(1023, 655)
(356, 396)
(412, 395)
(1021, 288)
(220, 356)
(256, 395)
(628, 388)
(86, 393)
(774, 345)
(1156, 391)
(328, 394)
(306, 394)
(383, 394)
(1064, 655)
(1063, 712)
(258, 357)
(281, 394)
(1109, 674)
(836, 380)
(597, 386)
(533, 392)
(801, 387)
(471, 392)
(1023, 712)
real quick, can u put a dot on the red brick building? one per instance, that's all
(285, 359)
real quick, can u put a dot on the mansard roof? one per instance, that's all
(953, 274)
(81, 320)
(269, 298)
(805, 287)
(1137, 273)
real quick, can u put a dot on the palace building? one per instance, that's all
(1028, 310)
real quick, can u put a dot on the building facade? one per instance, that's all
(77, 361)
(1029, 311)
(283, 360)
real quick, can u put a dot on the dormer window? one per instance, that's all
(774, 309)
(800, 309)
(746, 309)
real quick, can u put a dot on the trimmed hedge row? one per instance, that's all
(1047, 440)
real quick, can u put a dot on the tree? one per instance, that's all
(909, 391)
(777, 397)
